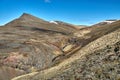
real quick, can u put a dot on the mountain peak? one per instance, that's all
(26, 15)
(29, 17)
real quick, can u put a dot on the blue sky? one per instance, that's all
(82, 12)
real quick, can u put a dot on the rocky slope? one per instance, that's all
(99, 60)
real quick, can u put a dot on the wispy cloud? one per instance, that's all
(47, 1)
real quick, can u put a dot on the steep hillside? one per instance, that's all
(98, 60)
(91, 33)
(86, 35)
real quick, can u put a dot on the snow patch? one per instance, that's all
(54, 22)
(109, 21)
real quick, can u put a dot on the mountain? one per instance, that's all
(34, 49)
(27, 20)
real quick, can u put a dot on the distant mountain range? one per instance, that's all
(34, 49)
(106, 22)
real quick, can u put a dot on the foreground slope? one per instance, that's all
(97, 60)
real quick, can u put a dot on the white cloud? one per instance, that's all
(47, 1)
